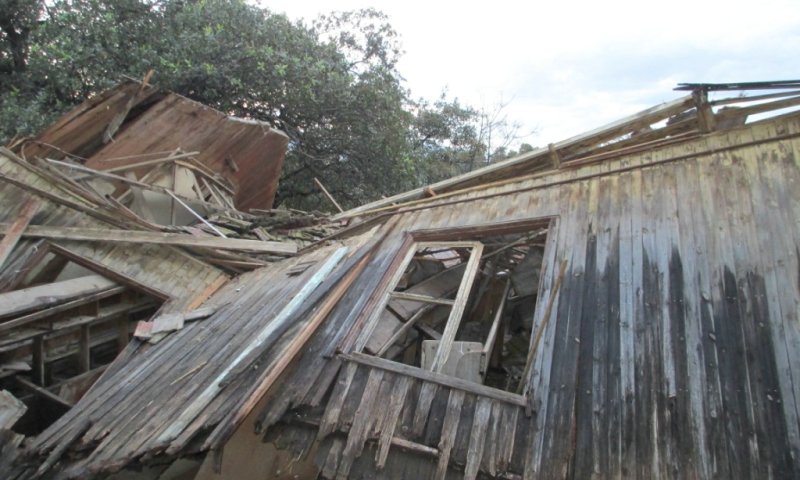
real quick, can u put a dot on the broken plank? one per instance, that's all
(14, 232)
(42, 392)
(328, 195)
(398, 396)
(437, 378)
(33, 298)
(330, 418)
(477, 438)
(360, 428)
(38, 315)
(11, 409)
(421, 298)
(449, 430)
(161, 238)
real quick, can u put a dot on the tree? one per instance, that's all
(334, 92)
(332, 86)
(450, 138)
(18, 18)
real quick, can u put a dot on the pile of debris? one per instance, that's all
(124, 216)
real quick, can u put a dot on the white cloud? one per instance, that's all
(571, 66)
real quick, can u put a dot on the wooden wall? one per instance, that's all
(675, 343)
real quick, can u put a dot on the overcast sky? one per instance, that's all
(567, 67)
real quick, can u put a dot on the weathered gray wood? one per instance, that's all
(360, 428)
(157, 238)
(21, 301)
(331, 417)
(449, 429)
(42, 392)
(421, 298)
(52, 311)
(435, 378)
(84, 349)
(457, 310)
(11, 409)
(398, 397)
(411, 322)
(619, 127)
(540, 331)
(57, 452)
(331, 463)
(427, 393)
(216, 385)
(477, 438)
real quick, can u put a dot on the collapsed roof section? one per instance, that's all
(134, 125)
(122, 218)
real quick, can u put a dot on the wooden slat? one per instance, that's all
(21, 301)
(426, 395)
(436, 378)
(421, 298)
(42, 392)
(84, 349)
(477, 438)
(48, 312)
(454, 320)
(157, 238)
(289, 353)
(619, 127)
(14, 232)
(449, 429)
(213, 389)
(11, 409)
(360, 428)
(393, 410)
(330, 418)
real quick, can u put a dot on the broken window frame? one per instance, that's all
(454, 238)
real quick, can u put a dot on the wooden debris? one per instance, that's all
(328, 195)
(159, 238)
(11, 409)
(12, 234)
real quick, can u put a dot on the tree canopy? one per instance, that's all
(332, 86)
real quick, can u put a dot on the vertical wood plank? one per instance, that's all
(426, 394)
(362, 420)
(330, 418)
(477, 438)
(85, 349)
(449, 429)
(398, 397)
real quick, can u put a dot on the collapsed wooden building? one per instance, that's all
(623, 303)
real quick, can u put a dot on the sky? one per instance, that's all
(565, 67)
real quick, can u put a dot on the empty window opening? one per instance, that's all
(464, 308)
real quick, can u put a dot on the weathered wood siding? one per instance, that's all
(675, 345)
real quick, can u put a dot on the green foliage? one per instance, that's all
(332, 87)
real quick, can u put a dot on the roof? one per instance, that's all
(112, 129)
(186, 393)
(678, 120)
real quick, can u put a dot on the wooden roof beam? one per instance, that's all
(158, 238)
